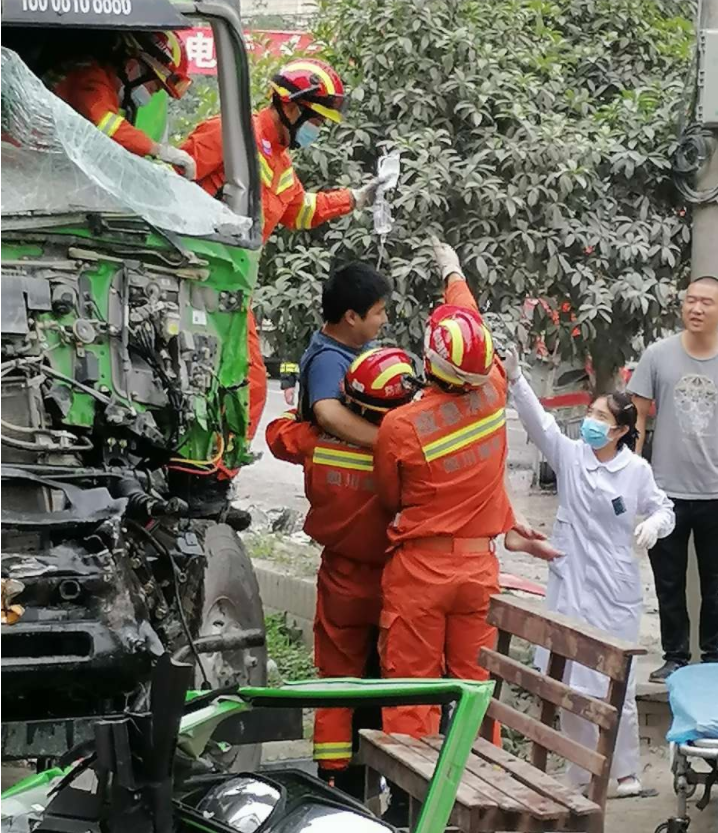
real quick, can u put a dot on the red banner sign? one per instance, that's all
(199, 43)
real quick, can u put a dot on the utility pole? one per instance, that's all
(704, 254)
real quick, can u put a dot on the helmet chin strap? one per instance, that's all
(127, 104)
(304, 115)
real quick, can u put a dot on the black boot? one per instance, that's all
(660, 675)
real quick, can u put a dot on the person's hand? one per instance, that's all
(365, 196)
(523, 538)
(179, 159)
(526, 531)
(288, 395)
(512, 365)
(446, 258)
(647, 533)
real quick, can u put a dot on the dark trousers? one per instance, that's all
(669, 560)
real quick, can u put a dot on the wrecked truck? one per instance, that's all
(125, 291)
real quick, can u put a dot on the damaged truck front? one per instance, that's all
(124, 403)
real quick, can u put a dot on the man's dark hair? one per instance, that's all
(356, 286)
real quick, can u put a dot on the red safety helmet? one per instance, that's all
(312, 84)
(458, 348)
(165, 54)
(376, 380)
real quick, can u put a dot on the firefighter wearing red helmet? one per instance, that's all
(306, 94)
(110, 93)
(347, 518)
(439, 464)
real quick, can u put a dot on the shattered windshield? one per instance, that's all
(54, 161)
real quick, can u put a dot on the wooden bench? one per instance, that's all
(499, 791)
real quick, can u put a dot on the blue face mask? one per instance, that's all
(595, 433)
(306, 134)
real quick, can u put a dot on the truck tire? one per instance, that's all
(231, 600)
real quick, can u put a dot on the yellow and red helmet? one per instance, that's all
(458, 348)
(378, 379)
(165, 54)
(313, 84)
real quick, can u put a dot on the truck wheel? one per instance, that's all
(231, 601)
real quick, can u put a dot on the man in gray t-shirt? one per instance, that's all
(680, 374)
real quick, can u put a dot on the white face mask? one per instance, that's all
(140, 96)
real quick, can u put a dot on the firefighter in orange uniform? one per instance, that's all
(439, 464)
(306, 93)
(347, 518)
(109, 94)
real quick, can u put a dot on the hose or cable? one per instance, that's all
(159, 547)
(695, 148)
(24, 445)
(212, 460)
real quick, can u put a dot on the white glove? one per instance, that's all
(365, 196)
(647, 533)
(512, 366)
(178, 158)
(446, 259)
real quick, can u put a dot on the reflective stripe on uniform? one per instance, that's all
(464, 436)
(338, 458)
(288, 367)
(266, 172)
(306, 212)
(110, 123)
(332, 751)
(286, 180)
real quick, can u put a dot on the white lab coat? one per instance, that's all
(598, 579)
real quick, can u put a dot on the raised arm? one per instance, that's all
(541, 427)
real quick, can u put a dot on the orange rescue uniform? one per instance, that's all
(439, 465)
(347, 518)
(284, 202)
(93, 91)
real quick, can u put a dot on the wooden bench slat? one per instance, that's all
(421, 760)
(413, 778)
(562, 635)
(487, 794)
(522, 798)
(556, 692)
(535, 779)
(547, 737)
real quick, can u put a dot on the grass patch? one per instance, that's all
(284, 645)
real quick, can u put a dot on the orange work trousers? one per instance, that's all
(257, 376)
(345, 632)
(433, 624)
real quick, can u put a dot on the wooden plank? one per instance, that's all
(538, 781)
(380, 752)
(547, 737)
(598, 788)
(571, 639)
(551, 690)
(522, 799)
(486, 794)
(554, 671)
(503, 646)
(399, 759)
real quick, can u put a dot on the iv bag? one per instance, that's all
(388, 172)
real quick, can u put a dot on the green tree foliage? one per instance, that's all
(536, 137)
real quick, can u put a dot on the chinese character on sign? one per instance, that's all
(200, 50)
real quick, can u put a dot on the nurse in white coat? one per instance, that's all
(603, 487)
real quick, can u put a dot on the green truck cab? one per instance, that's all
(125, 291)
